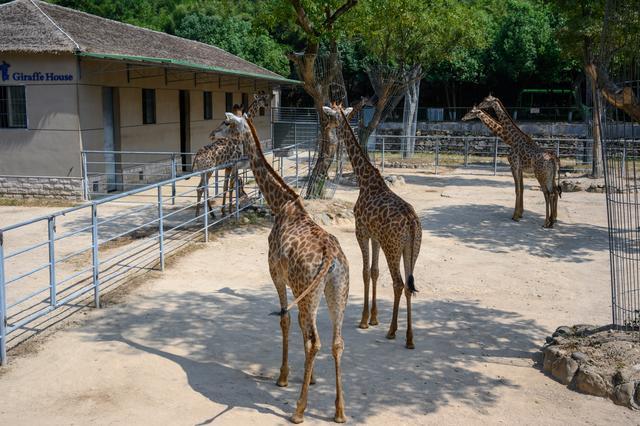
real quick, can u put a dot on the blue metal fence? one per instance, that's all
(92, 247)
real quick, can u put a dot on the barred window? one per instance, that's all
(228, 102)
(148, 106)
(208, 105)
(13, 107)
(245, 102)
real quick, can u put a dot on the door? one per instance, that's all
(185, 130)
(109, 146)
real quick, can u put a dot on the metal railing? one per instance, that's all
(471, 152)
(48, 262)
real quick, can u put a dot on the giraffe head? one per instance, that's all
(333, 115)
(471, 114)
(261, 100)
(488, 102)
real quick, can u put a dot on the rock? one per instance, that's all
(624, 395)
(244, 220)
(324, 219)
(579, 356)
(549, 339)
(551, 354)
(596, 188)
(588, 381)
(571, 186)
(583, 330)
(563, 331)
(563, 369)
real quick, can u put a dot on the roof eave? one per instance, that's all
(188, 65)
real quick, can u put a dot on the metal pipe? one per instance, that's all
(161, 225)
(173, 179)
(383, 143)
(205, 201)
(3, 307)
(96, 262)
(495, 157)
(237, 189)
(51, 227)
(85, 176)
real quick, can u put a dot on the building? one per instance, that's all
(70, 81)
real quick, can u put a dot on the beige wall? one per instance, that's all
(50, 145)
(64, 116)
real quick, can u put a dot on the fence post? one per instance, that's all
(206, 205)
(466, 153)
(215, 183)
(173, 178)
(383, 142)
(495, 156)
(437, 154)
(237, 189)
(51, 227)
(297, 166)
(3, 307)
(94, 252)
(161, 227)
(623, 172)
(85, 176)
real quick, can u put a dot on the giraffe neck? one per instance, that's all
(505, 119)
(496, 128)
(275, 190)
(365, 172)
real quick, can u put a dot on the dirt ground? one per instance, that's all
(195, 345)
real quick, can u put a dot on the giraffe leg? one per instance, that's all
(547, 205)
(199, 192)
(336, 293)
(232, 186)
(225, 189)
(408, 270)
(208, 200)
(375, 272)
(520, 193)
(363, 242)
(285, 322)
(306, 317)
(398, 286)
(514, 172)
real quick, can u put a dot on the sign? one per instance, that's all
(34, 76)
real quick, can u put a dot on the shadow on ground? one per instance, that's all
(489, 227)
(449, 180)
(231, 353)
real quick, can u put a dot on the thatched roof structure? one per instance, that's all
(39, 27)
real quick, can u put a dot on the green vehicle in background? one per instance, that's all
(549, 105)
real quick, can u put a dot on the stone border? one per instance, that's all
(572, 368)
(21, 187)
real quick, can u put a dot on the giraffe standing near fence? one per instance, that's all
(225, 151)
(525, 153)
(303, 257)
(385, 219)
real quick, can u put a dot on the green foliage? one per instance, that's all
(236, 36)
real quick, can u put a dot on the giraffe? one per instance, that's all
(225, 151)
(525, 153)
(303, 257)
(388, 221)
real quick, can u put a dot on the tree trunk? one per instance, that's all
(410, 117)
(597, 170)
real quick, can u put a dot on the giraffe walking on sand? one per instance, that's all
(525, 154)
(386, 220)
(303, 257)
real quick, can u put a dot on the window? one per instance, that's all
(245, 102)
(228, 102)
(208, 105)
(148, 106)
(13, 107)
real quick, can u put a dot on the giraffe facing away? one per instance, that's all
(303, 257)
(386, 220)
(525, 154)
(224, 151)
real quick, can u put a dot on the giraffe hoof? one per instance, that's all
(515, 219)
(339, 418)
(297, 419)
(363, 325)
(282, 383)
(373, 321)
(390, 336)
(410, 345)
(312, 381)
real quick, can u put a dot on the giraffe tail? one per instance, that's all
(558, 186)
(411, 283)
(327, 265)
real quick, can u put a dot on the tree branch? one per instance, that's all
(303, 19)
(331, 19)
(621, 98)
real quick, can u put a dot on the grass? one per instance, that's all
(37, 202)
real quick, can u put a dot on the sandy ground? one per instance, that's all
(195, 345)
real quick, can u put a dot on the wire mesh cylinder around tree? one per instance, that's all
(621, 154)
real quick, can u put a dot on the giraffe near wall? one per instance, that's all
(386, 220)
(303, 257)
(524, 154)
(225, 151)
